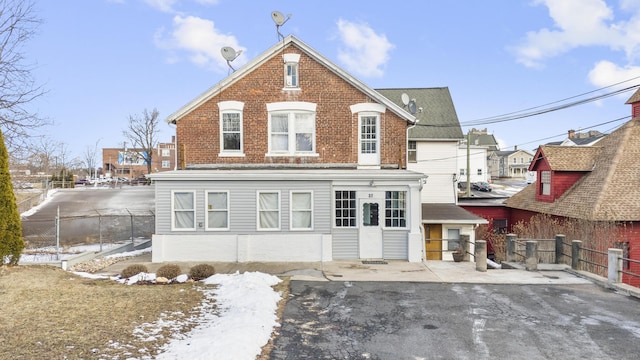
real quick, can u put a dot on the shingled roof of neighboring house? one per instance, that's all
(570, 158)
(634, 98)
(450, 213)
(436, 115)
(609, 192)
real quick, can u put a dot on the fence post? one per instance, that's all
(464, 243)
(511, 247)
(481, 255)
(531, 260)
(614, 268)
(559, 248)
(576, 252)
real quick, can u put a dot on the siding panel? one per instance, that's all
(345, 244)
(395, 245)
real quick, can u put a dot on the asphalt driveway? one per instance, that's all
(401, 320)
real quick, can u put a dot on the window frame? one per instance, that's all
(226, 108)
(545, 182)
(352, 210)
(292, 210)
(401, 217)
(164, 152)
(291, 71)
(259, 211)
(412, 151)
(208, 210)
(165, 164)
(295, 126)
(174, 210)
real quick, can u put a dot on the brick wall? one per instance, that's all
(198, 132)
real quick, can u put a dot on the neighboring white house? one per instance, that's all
(477, 170)
(433, 150)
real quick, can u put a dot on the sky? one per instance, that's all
(102, 61)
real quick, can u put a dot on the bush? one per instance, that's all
(201, 271)
(168, 271)
(133, 270)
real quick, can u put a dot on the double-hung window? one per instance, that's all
(545, 182)
(268, 210)
(292, 131)
(231, 128)
(395, 209)
(301, 210)
(412, 154)
(183, 210)
(291, 71)
(217, 210)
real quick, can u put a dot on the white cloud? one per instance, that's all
(364, 52)
(605, 73)
(577, 23)
(162, 5)
(200, 39)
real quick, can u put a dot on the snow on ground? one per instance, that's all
(236, 319)
(34, 209)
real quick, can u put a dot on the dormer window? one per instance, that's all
(291, 71)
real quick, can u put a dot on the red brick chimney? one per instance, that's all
(572, 134)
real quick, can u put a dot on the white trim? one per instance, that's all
(364, 107)
(173, 217)
(291, 132)
(291, 58)
(231, 107)
(207, 210)
(291, 106)
(291, 228)
(279, 227)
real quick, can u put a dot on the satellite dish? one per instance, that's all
(230, 54)
(279, 19)
(412, 106)
(405, 99)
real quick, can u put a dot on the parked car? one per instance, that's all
(481, 186)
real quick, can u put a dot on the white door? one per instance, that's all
(370, 234)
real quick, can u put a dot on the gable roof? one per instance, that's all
(276, 50)
(436, 115)
(569, 158)
(482, 138)
(634, 98)
(609, 192)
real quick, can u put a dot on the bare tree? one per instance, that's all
(17, 87)
(89, 155)
(142, 134)
(43, 155)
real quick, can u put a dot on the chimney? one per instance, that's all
(572, 134)
(173, 139)
(515, 147)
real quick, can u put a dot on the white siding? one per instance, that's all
(437, 160)
(395, 245)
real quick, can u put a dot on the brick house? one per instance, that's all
(289, 158)
(129, 163)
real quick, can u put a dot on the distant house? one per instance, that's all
(574, 138)
(131, 163)
(513, 163)
(433, 150)
(289, 158)
(482, 138)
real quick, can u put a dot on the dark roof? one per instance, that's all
(437, 120)
(484, 139)
(608, 192)
(450, 213)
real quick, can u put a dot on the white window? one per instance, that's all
(479, 171)
(301, 210)
(183, 210)
(395, 209)
(545, 182)
(166, 164)
(268, 210)
(166, 152)
(292, 128)
(345, 208)
(461, 171)
(291, 71)
(412, 155)
(217, 210)
(231, 143)
(368, 133)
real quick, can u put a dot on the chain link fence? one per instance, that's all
(95, 227)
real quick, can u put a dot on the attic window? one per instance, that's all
(545, 182)
(291, 71)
